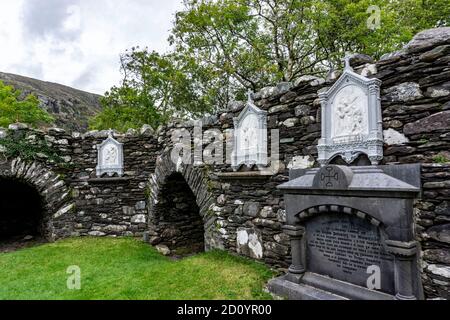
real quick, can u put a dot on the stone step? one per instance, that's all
(292, 291)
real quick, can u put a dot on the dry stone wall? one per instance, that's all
(244, 212)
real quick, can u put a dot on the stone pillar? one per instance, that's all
(297, 268)
(405, 258)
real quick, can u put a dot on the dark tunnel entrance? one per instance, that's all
(178, 221)
(21, 211)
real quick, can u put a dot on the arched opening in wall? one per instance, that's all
(361, 160)
(21, 214)
(178, 222)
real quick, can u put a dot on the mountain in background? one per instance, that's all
(70, 107)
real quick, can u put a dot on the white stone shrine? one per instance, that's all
(110, 157)
(351, 119)
(250, 137)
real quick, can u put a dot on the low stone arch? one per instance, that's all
(198, 181)
(313, 211)
(50, 186)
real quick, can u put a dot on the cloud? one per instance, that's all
(78, 42)
(52, 18)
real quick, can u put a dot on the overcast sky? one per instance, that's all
(78, 42)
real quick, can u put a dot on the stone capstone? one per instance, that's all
(428, 38)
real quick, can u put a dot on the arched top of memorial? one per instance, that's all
(110, 157)
(109, 140)
(250, 138)
(250, 108)
(349, 77)
(364, 179)
(352, 121)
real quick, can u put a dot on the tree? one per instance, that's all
(155, 88)
(223, 48)
(13, 109)
(255, 43)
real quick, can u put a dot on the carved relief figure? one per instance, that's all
(249, 137)
(349, 114)
(110, 155)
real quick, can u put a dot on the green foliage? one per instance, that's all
(440, 158)
(13, 109)
(125, 269)
(223, 48)
(27, 150)
(249, 44)
(155, 88)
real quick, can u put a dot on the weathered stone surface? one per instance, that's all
(251, 209)
(439, 256)
(301, 162)
(442, 271)
(163, 249)
(407, 91)
(357, 59)
(302, 110)
(428, 38)
(369, 70)
(438, 91)
(435, 53)
(393, 137)
(291, 122)
(443, 208)
(440, 233)
(435, 122)
(139, 218)
(277, 109)
(249, 243)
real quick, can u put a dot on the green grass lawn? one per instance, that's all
(127, 269)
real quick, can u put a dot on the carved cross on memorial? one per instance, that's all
(351, 119)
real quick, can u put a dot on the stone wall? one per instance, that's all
(243, 212)
(90, 206)
(416, 119)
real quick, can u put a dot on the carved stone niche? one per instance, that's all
(352, 234)
(351, 119)
(110, 157)
(250, 137)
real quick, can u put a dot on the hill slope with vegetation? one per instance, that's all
(71, 108)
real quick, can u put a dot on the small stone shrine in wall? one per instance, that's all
(352, 122)
(250, 137)
(351, 227)
(110, 157)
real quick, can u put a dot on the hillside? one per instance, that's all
(70, 107)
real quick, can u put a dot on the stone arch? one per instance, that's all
(311, 212)
(55, 195)
(198, 181)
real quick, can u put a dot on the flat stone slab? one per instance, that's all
(293, 291)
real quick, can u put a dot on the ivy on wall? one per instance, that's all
(13, 146)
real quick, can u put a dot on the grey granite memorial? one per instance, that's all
(110, 157)
(250, 137)
(351, 227)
